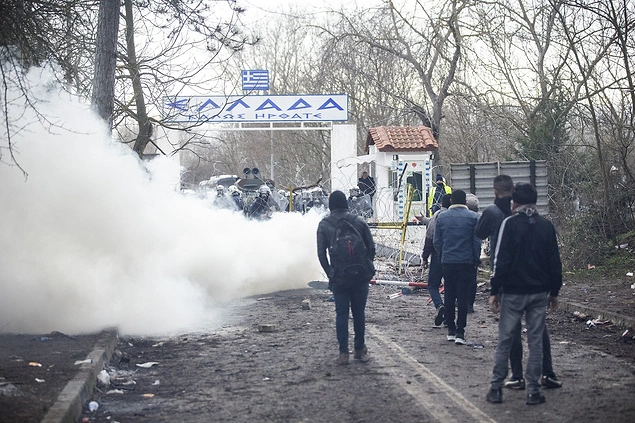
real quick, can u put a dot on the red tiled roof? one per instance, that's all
(401, 138)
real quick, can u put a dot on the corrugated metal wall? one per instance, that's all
(478, 178)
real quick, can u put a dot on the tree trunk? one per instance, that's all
(145, 127)
(103, 97)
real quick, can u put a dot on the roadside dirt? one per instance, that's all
(239, 373)
(34, 369)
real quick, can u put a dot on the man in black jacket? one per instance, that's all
(488, 226)
(528, 272)
(349, 292)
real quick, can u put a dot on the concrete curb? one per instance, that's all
(69, 404)
(617, 319)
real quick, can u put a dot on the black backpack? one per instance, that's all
(348, 252)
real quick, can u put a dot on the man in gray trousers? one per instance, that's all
(528, 272)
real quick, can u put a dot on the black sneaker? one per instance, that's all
(494, 396)
(440, 315)
(550, 382)
(513, 383)
(535, 399)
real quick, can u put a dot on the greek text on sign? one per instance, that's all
(259, 108)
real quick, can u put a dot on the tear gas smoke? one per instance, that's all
(92, 239)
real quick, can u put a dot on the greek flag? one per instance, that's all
(255, 80)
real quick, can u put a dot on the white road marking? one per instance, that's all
(419, 390)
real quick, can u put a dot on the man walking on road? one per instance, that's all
(349, 267)
(459, 250)
(435, 269)
(528, 272)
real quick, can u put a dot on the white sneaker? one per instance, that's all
(451, 337)
(459, 340)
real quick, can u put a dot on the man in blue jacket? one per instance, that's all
(459, 249)
(528, 272)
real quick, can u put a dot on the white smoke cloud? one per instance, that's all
(91, 239)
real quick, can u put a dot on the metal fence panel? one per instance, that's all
(478, 178)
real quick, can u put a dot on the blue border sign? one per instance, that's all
(259, 108)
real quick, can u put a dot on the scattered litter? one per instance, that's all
(393, 296)
(621, 246)
(156, 382)
(590, 266)
(93, 406)
(266, 328)
(633, 286)
(103, 378)
(599, 322)
(160, 344)
(87, 361)
(43, 339)
(147, 395)
(264, 298)
(266, 378)
(35, 364)
(475, 345)
(115, 391)
(306, 304)
(39, 380)
(580, 315)
(625, 333)
(630, 274)
(147, 365)
(406, 291)
(590, 324)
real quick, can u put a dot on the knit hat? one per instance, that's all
(337, 201)
(471, 201)
(439, 177)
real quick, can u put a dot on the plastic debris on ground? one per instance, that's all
(148, 364)
(35, 364)
(93, 406)
(580, 315)
(629, 274)
(590, 266)
(39, 380)
(103, 378)
(87, 361)
(393, 296)
(115, 391)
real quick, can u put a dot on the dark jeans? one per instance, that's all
(435, 274)
(354, 298)
(458, 278)
(516, 354)
(472, 293)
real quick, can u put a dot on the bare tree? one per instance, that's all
(427, 39)
(103, 96)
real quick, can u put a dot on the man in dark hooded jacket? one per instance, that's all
(349, 293)
(528, 273)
